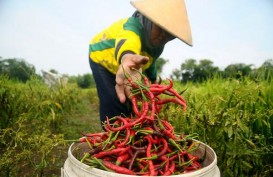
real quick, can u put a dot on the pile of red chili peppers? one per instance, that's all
(144, 144)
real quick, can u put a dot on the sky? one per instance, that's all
(55, 34)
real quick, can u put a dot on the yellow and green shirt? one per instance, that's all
(124, 36)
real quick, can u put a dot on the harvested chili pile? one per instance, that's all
(144, 144)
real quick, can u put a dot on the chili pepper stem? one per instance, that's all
(86, 155)
(103, 166)
(149, 158)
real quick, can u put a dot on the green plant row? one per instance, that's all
(30, 126)
(235, 117)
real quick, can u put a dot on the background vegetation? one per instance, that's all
(230, 110)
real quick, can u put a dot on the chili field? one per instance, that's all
(38, 123)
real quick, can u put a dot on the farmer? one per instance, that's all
(132, 45)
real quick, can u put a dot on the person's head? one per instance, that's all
(159, 37)
(154, 35)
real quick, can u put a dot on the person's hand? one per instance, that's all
(131, 65)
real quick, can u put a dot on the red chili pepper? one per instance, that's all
(126, 139)
(114, 151)
(160, 88)
(128, 125)
(169, 134)
(122, 158)
(192, 157)
(152, 140)
(193, 166)
(134, 106)
(158, 107)
(132, 83)
(153, 108)
(165, 147)
(95, 134)
(146, 80)
(166, 166)
(169, 100)
(156, 173)
(132, 135)
(141, 173)
(108, 158)
(118, 169)
(179, 97)
(143, 144)
(83, 139)
(170, 170)
(148, 154)
(197, 165)
(137, 152)
(168, 125)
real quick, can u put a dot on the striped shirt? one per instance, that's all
(123, 36)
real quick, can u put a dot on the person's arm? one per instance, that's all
(127, 53)
(130, 64)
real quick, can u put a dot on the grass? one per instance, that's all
(36, 122)
(85, 118)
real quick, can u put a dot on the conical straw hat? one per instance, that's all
(170, 15)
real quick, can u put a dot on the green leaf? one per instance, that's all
(251, 143)
(58, 105)
(230, 131)
(246, 164)
(242, 126)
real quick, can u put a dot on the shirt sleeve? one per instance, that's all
(129, 39)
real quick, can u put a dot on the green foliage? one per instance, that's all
(176, 74)
(235, 118)
(196, 72)
(85, 81)
(237, 70)
(17, 69)
(191, 71)
(31, 119)
(265, 72)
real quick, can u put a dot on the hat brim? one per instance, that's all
(170, 15)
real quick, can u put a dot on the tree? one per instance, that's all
(204, 70)
(187, 69)
(160, 62)
(85, 81)
(17, 69)
(268, 64)
(197, 72)
(176, 74)
(266, 70)
(237, 70)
